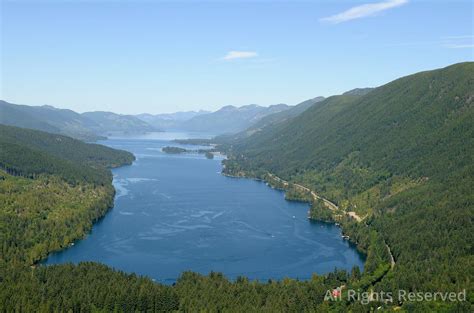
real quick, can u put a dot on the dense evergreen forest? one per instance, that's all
(208, 153)
(400, 157)
(52, 189)
(173, 150)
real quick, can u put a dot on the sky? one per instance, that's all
(137, 56)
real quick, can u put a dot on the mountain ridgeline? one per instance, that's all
(170, 121)
(108, 122)
(400, 156)
(270, 120)
(227, 120)
(231, 119)
(89, 126)
(49, 119)
(92, 126)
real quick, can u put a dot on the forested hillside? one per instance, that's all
(399, 156)
(47, 118)
(67, 148)
(52, 189)
(31, 153)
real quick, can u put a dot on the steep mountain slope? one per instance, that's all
(404, 118)
(47, 118)
(400, 156)
(231, 119)
(105, 122)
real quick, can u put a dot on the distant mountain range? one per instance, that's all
(227, 120)
(272, 119)
(91, 126)
(231, 119)
(169, 120)
(108, 122)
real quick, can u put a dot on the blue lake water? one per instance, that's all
(177, 212)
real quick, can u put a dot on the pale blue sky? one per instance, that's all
(165, 56)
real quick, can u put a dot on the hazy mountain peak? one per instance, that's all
(250, 106)
(49, 107)
(227, 108)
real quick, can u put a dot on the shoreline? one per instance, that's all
(97, 220)
(329, 205)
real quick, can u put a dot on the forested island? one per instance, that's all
(196, 142)
(208, 153)
(392, 165)
(174, 150)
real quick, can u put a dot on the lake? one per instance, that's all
(175, 213)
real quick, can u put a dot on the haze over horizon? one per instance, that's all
(165, 57)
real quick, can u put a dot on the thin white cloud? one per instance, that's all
(232, 55)
(459, 46)
(361, 11)
(458, 37)
(448, 42)
(459, 42)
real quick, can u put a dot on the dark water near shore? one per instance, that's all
(177, 212)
